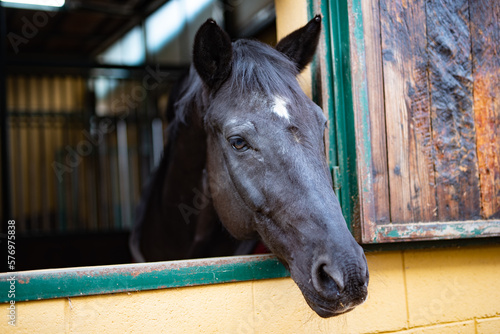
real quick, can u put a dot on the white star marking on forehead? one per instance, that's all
(279, 107)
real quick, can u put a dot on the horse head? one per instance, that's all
(266, 166)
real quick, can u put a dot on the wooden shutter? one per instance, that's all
(426, 97)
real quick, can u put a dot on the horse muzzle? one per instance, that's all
(336, 288)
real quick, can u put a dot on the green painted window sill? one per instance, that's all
(85, 281)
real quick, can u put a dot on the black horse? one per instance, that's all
(245, 146)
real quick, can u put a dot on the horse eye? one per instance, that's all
(238, 143)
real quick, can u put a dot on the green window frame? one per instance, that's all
(337, 103)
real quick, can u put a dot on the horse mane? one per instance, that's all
(256, 67)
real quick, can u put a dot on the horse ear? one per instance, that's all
(301, 44)
(212, 54)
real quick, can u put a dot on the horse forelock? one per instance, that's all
(257, 68)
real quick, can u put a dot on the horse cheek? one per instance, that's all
(235, 217)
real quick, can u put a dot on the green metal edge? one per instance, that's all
(326, 24)
(359, 83)
(344, 115)
(59, 283)
(342, 150)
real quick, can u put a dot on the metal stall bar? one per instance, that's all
(103, 171)
(63, 184)
(123, 170)
(95, 138)
(42, 146)
(32, 221)
(54, 106)
(18, 180)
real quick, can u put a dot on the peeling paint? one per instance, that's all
(437, 230)
(56, 283)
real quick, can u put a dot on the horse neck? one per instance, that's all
(185, 151)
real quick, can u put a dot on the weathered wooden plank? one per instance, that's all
(364, 219)
(485, 37)
(437, 230)
(450, 77)
(379, 210)
(409, 141)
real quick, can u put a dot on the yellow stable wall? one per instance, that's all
(291, 15)
(453, 290)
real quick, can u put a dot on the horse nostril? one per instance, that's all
(329, 283)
